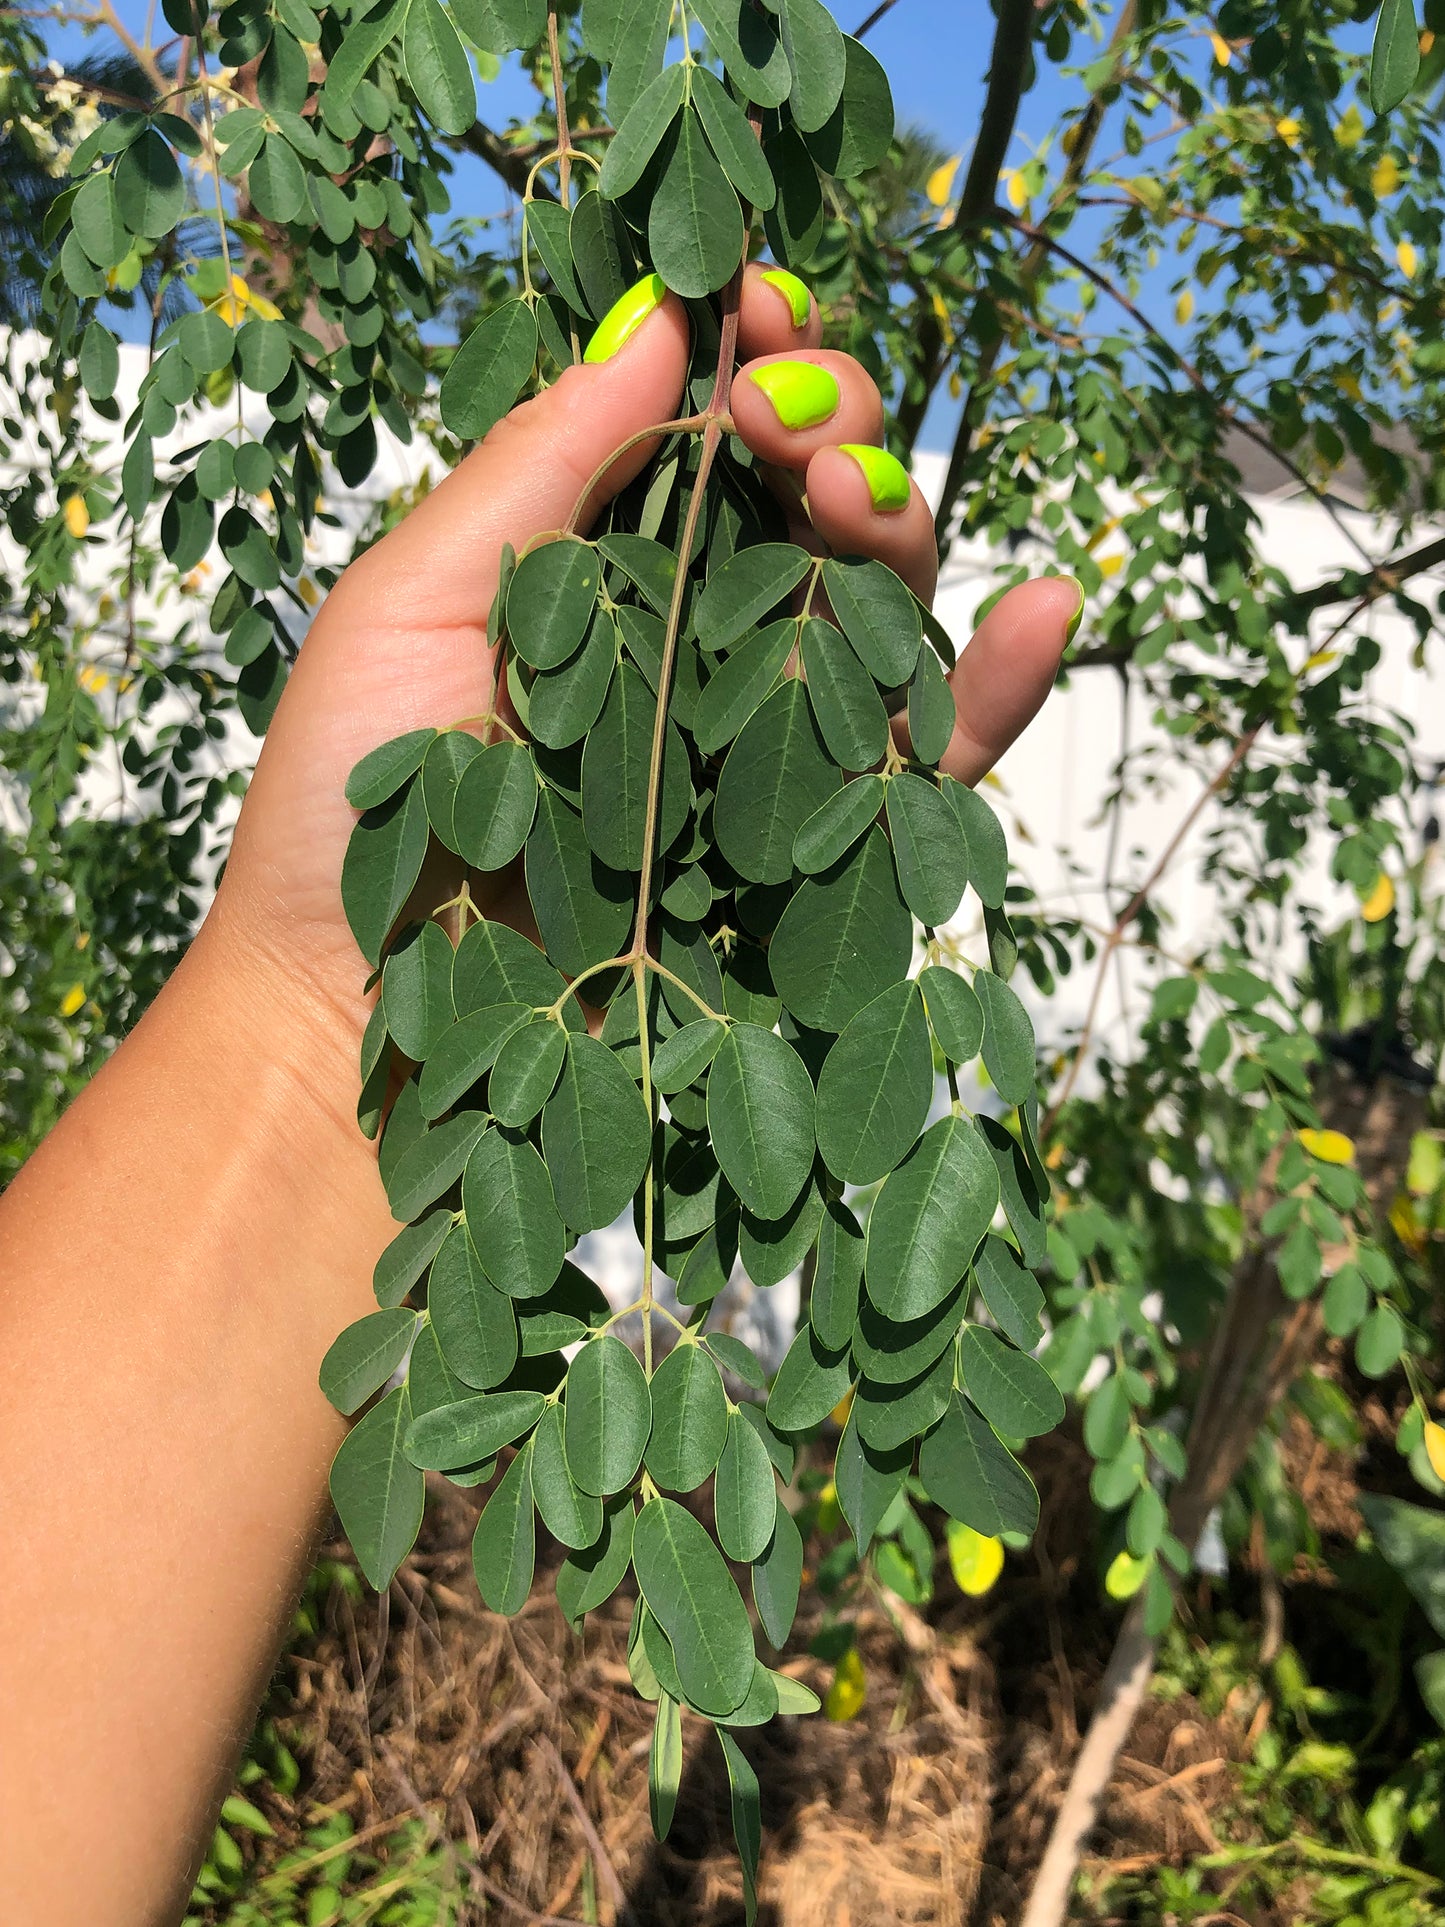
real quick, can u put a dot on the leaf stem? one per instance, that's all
(685, 425)
(671, 976)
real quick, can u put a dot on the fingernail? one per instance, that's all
(887, 478)
(1072, 627)
(792, 291)
(802, 394)
(624, 318)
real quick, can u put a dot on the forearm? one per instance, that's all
(174, 1261)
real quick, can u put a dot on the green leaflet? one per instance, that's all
(686, 1055)
(526, 1071)
(770, 1248)
(856, 135)
(888, 1415)
(565, 702)
(984, 839)
(495, 802)
(588, 1578)
(747, 587)
(642, 132)
(777, 1577)
(868, 1481)
(550, 601)
(843, 939)
(845, 699)
(595, 1136)
(401, 1265)
(569, 1513)
(470, 1429)
(511, 1214)
(504, 1545)
(664, 1765)
(1023, 1207)
(931, 713)
(890, 1353)
(973, 1477)
(748, 46)
(416, 990)
(695, 229)
(690, 1592)
(689, 1419)
(437, 67)
(488, 371)
(562, 1316)
(608, 1416)
(475, 1324)
(1012, 1390)
(378, 1493)
(739, 684)
(442, 768)
(431, 1165)
(499, 26)
(760, 1109)
(364, 1357)
(838, 1278)
(929, 1219)
(615, 768)
(878, 615)
(149, 190)
(1394, 56)
(746, 1800)
(928, 849)
(955, 1014)
(776, 774)
(745, 1497)
(1014, 1300)
(810, 1382)
(732, 139)
(464, 1052)
(1008, 1038)
(383, 861)
(816, 55)
(495, 964)
(584, 909)
(875, 1087)
(832, 830)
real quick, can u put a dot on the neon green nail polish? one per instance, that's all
(1072, 627)
(792, 291)
(802, 394)
(887, 478)
(624, 318)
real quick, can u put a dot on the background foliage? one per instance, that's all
(1231, 230)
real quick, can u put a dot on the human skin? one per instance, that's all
(177, 1256)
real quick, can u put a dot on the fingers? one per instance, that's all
(1007, 670)
(778, 314)
(862, 501)
(438, 569)
(788, 406)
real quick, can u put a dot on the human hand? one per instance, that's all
(401, 641)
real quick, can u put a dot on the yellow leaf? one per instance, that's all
(1405, 1225)
(1018, 194)
(1349, 384)
(976, 1559)
(82, 942)
(1321, 658)
(845, 1697)
(263, 309)
(1405, 254)
(830, 1513)
(939, 188)
(1427, 41)
(1330, 1147)
(1435, 1447)
(93, 679)
(842, 1409)
(1350, 128)
(1184, 306)
(77, 516)
(955, 384)
(1110, 564)
(1385, 178)
(308, 592)
(1288, 129)
(1126, 1575)
(1223, 52)
(72, 1000)
(1381, 900)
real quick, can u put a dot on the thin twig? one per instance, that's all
(601, 1859)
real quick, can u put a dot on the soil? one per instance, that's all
(526, 1746)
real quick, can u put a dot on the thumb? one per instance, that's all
(438, 569)
(400, 642)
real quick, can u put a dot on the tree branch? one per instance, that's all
(1085, 135)
(1012, 41)
(510, 164)
(866, 26)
